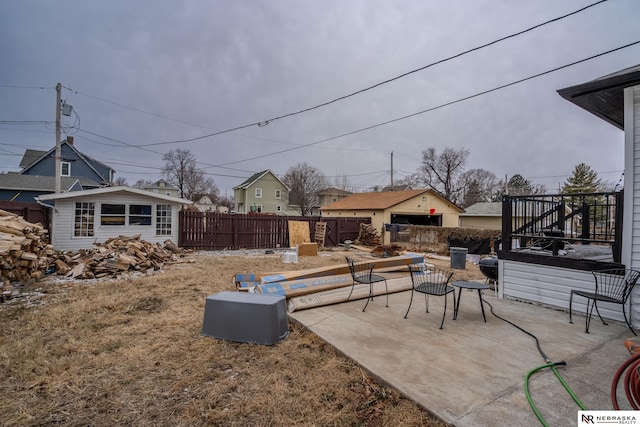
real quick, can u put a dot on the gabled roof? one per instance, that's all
(108, 190)
(91, 162)
(256, 177)
(18, 182)
(604, 96)
(30, 156)
(484, 209)
(380, 200)
(161, 183)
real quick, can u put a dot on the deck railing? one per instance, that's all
(547, 220)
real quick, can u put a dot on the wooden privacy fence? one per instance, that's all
(211, 231)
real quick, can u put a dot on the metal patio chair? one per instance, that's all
(431, 281)
(362, 273)
(613, 286)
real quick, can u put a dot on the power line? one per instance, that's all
(340, 98)
(466, 98)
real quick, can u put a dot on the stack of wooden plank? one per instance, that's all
(23, 249)
(113, 257)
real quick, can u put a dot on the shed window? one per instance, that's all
(112, 214)
(83, 219)
(163, 220)
(139, 214)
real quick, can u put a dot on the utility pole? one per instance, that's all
(58, 149)
(392, 171)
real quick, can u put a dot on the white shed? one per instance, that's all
(82, 218)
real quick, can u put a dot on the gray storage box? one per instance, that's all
(458, 257)
(246, 317)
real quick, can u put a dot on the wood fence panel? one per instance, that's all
(214, 231)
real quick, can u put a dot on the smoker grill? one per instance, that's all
(489, 267)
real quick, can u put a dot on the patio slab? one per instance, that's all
(471, 373)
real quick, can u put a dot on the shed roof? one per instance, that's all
(604, 96)
(380, 200)
(115, 189)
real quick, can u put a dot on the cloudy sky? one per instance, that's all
(145, 76)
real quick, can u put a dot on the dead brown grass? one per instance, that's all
(129, 352)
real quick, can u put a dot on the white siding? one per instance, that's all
(63, 222)
(631, 244)
(551, 286)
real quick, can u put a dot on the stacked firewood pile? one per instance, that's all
(23, 249)
(115, 256)
(368, 235)
(25, 256)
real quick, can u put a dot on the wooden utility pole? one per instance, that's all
(58, 149)
(392, 171)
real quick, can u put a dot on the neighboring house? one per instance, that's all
(614, 98)
(81, 218)
(78, 171)
(72, 164)
(262, 192)
(204, 203)
(482, 215)
(402, 187)
(332, 195)
(413, 207)
(24, 188)
(163, 187)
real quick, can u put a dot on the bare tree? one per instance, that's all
(441, 171)
(142, 183)
(180, 169)
(304, 182)
(479, 185)
(120, 181)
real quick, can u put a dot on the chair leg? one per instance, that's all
(570, 303)
(352, 286)
(588, 314)
(410, 301)
(426, 302)
(445, 311)
(624, 312)
(370, 297)
(386, 290)
(598, 311)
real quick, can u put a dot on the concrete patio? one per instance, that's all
(471, 373)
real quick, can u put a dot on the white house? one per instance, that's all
(614, 98)
(82, 218)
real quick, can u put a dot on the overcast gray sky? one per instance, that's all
(149, 71)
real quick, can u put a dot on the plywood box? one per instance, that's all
(308, 249)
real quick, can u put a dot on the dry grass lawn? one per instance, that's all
(129, 352)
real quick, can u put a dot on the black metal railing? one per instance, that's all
(549, 219)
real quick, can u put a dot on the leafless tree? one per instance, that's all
(181, 170)
(142, 183)
(479, 185)
(120, 181)
(304, 182)
(441, 171)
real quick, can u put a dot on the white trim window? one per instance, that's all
(163, 220)
(278, 208)
(65, 169)
(278, 194)
(111, 214)
(140, 215)
(83, 219)
(258, 193)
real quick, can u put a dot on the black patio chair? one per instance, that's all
(613, 286)
(362, 273)
(431, 281)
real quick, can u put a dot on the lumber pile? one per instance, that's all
(23, 250)
(115, 256)
(368, 235)
(384, 251)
